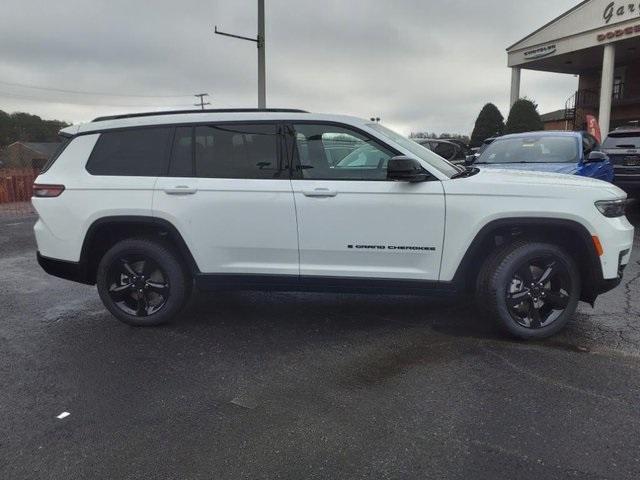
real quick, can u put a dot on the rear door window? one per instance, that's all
(136, 152)
(237, 151)
(182, 153)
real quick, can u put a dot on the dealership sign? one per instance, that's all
(540, 52)
(621, 11)
(620, 32)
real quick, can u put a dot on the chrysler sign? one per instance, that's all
(540, 52)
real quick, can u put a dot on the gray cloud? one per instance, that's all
(417, 64)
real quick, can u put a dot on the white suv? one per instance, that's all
(147, 205)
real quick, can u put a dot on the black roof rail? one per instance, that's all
(210, 110)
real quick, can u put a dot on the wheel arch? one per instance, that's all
(569, 234)
(106, 231)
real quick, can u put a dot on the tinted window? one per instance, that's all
(545, 149)
(134, 152)
(622, 140)
(328, 152)
(236, 151)
(182, 153)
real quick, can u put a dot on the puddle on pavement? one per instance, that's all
(387, 363)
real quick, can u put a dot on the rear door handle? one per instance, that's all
(320, 192)
(180, 190)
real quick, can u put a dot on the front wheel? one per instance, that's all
(531, 289)
(142, 282)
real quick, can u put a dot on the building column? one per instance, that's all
(515, 85)
(606, 88)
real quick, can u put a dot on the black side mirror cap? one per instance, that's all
(406, 169)
(597, 156)
(469, 160)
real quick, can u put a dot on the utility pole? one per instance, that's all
(202, 102)
(260, 41)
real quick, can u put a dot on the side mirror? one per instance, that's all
(469, 160)
(406, 169)
(596, 156)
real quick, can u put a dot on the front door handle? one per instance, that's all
(320, 192)
(180, 190)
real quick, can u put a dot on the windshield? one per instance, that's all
(622, 140)
(418, 150)
(539, 149)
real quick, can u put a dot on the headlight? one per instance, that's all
(612, 208)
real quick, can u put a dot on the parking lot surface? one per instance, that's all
(279, 385)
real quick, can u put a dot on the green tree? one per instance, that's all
(524, 117)
(489, 123)
(25, 127)
(6, 129)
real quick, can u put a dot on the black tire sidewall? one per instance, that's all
(503, 275)
(168, 262)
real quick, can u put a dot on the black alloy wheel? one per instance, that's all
(138, 285)
(539, 292)
(143, 282)
(530, 289)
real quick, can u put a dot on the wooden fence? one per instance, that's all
(16, 184)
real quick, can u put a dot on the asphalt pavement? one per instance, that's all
(299, 386)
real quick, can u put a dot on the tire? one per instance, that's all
(530, 289)
(142, 282)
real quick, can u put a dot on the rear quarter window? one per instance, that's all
(64, 141)
(140, 152)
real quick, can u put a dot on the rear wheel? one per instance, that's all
(142, 282)
(530, 289)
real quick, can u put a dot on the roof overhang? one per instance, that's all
(573, 41)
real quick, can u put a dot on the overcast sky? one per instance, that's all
(418, 64)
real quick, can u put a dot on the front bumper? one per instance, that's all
(598, 285)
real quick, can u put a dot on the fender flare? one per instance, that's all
(137, 220)
(594, 266)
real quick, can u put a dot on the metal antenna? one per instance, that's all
(260, 41)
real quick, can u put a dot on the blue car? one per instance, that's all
(573, 153)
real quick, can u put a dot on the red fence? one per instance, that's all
(16, 188)
(16, 184)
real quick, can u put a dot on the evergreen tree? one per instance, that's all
(489, 123)
(524, 117)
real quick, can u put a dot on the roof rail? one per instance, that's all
(210, 110)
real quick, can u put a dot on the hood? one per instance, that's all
(533, 184)
(566, 168)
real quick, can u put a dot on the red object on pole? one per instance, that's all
(593, 128)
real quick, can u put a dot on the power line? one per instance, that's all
(82, 92)
(83, 102)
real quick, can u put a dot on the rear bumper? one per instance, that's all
(73, 271)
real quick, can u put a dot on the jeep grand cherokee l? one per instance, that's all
(147, 206)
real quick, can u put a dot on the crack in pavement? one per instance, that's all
(553, 382)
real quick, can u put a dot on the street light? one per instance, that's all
(260, 41)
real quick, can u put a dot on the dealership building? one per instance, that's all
(599, 41)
